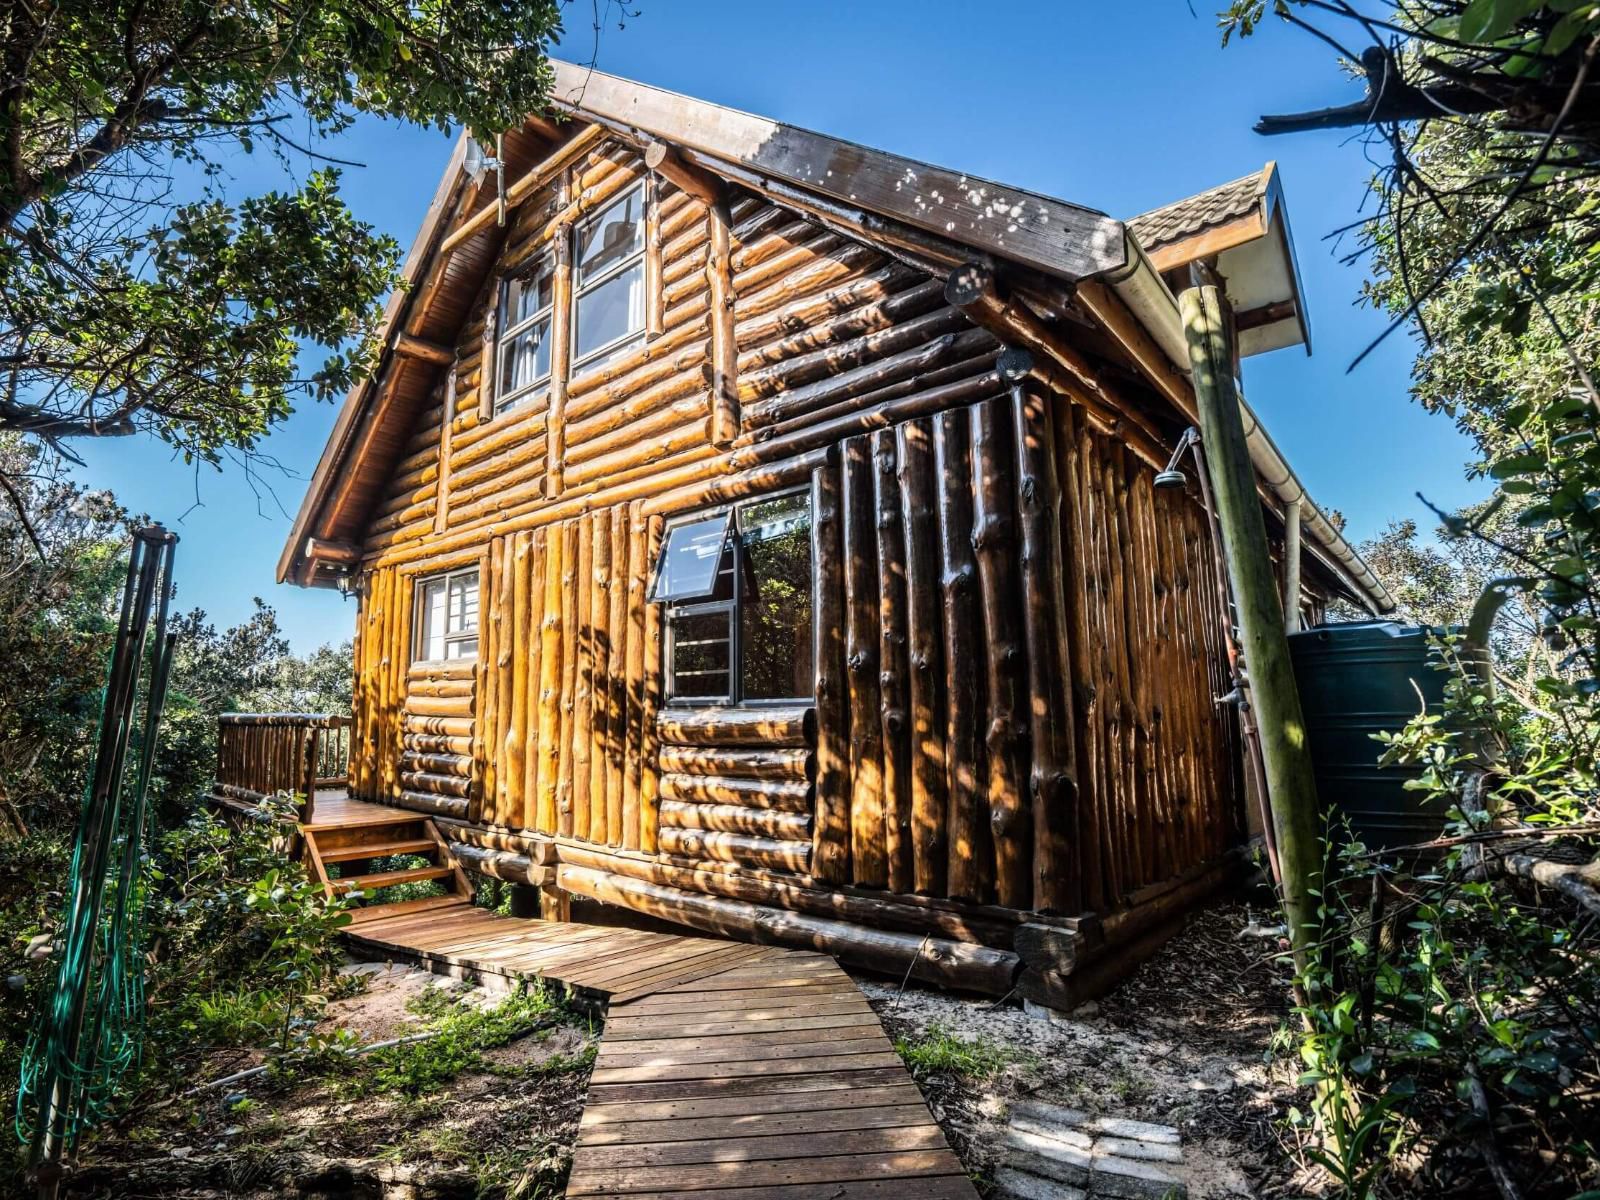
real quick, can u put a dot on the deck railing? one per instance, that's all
(261, 754)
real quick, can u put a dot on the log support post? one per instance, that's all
(1286, 755)
(724, 349)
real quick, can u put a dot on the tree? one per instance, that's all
(123, 310)
(1452, 1038)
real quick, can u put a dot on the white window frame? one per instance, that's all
(506, 341)
(419, 631)
(595, 282)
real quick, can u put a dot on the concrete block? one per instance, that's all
(1015, 1185)
(1137, 1148)
(1049, 1129)
(1131, 1179)
(1045, 1114)
(1143, 1130)
(1030, 1142)
(1048, 1168)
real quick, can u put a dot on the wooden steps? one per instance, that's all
(351, 832)
(420, 845)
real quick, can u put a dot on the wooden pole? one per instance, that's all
(1285, 752)
(867, 834)
(830, 844)
(892, 693)
(914, 449)
(994, 538)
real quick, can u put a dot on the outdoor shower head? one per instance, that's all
(1172, 477)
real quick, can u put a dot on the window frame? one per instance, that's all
(595, 357)
(731, 606)
(506, 336)
(419, 634)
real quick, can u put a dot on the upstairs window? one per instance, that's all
(737, 585)
(446, 624)
(608, 281)
(524, 345)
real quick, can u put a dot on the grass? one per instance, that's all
(939, 1050)
(461, 1033)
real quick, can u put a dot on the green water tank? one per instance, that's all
(1355, 680)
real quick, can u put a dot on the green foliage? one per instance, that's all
(1453, 1022)
(938, 1049)
(128, 302)
(461, 1032)
(239, 945)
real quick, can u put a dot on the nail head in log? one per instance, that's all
(994, 537)
(867, 835)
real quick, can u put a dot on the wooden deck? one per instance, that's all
(726, 1071)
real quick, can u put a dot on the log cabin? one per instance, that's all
(781, 538)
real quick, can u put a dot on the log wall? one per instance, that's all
(1017, 634)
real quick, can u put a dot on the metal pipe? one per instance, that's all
(1291, 567)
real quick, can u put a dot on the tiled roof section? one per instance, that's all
(1190, 216)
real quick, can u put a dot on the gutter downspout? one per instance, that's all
(1153, 305)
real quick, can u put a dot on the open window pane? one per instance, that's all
(610, 313)
(701, 649)
(611, 238)
(691, 559)
(775, 610)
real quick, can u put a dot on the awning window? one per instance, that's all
(689, 560)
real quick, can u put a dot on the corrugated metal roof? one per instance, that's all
(1194, 214)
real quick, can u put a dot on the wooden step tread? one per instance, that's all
(421, 845)
(364, 821)
(382, 879)
(400, 908)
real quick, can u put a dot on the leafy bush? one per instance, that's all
(239, 947)
(1453, 1023)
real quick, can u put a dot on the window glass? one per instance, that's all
(692, 559)
(524, 340)
(610, 313)
(430, 642)
(611, 238)
(701, 650)
(608, 281)
(447, 617)
(775, 619)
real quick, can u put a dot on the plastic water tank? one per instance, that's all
(1356, 680)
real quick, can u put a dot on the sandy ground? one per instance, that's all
(1183, 1042)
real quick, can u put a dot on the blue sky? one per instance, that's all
(1121, 107)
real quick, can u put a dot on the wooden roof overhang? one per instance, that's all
(1240, 230)
(1038, 259)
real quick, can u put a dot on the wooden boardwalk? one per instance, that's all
(725, 1072)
